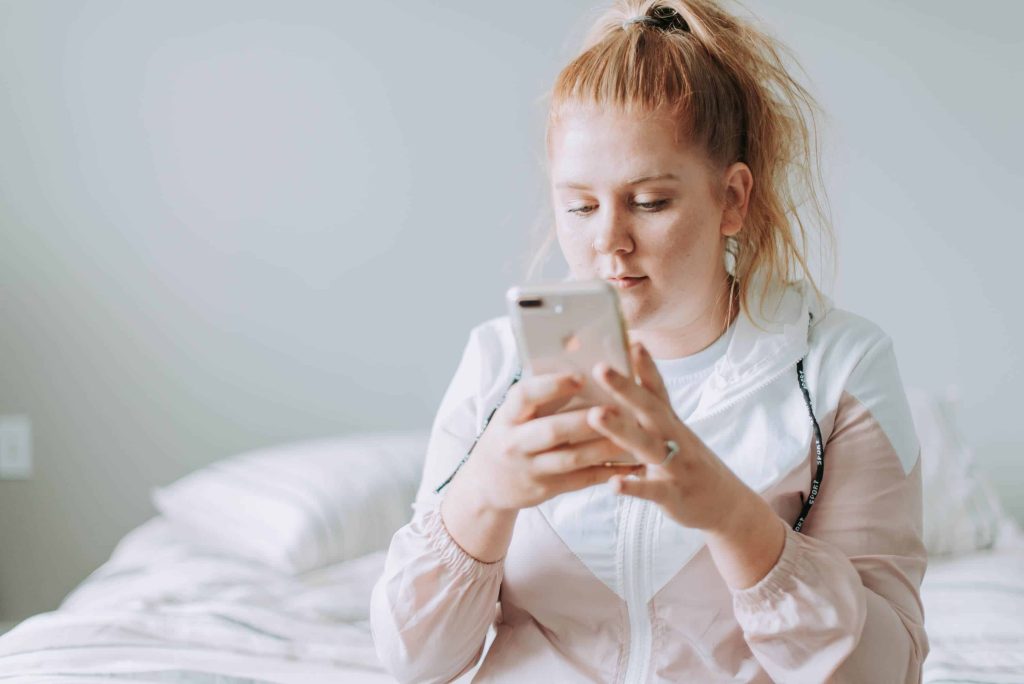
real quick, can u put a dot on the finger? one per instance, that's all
(587, 477)
(541, 394)
(647, 372)
(649, 409)
(627, 433)
(655, 490)
(590, 453)
(547, 432)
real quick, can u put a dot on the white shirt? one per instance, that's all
(684, 376)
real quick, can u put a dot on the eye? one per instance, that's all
(582, 210)
(652, 206)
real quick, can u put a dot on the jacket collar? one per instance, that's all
(768, 340)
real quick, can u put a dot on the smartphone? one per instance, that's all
(569, 327)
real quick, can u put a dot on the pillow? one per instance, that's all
(962, 512)
(302, 505)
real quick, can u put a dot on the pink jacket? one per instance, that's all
(597, 587)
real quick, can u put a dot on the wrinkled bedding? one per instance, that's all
(974, 616)
(165, 608)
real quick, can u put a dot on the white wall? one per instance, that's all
(228, 224)
(928, 192)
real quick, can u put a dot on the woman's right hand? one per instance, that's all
(529, 453)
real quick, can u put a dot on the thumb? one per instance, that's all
(647, 372)
(641, 488)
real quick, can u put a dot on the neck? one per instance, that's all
(696, 334)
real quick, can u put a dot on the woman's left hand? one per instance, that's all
(695, 488)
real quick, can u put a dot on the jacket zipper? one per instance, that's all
(636, 579)
(635, 559)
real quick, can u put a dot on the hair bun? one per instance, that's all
(662, 18)
(668, 19)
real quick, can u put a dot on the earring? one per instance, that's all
(731, 254)
(731, 257)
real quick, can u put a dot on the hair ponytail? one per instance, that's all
(727, 83)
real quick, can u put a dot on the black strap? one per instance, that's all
(819, 450)
(519, 373)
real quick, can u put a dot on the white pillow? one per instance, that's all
(962, 512)
(303, 505)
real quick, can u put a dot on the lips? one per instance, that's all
(626, 282)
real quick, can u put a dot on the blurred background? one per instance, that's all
(229, 224)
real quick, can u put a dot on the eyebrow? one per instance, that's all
(634, 181)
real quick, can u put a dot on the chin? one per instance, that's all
(633, 312)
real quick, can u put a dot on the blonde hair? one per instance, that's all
(727, 83)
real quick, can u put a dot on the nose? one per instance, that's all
(613, 232)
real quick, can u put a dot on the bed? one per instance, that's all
(258, 569)
(974, 615)
(169, 608)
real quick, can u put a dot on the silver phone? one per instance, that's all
(569, 327)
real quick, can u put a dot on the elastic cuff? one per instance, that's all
(778, 581)
(453, 555)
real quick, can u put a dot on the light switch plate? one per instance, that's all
(15, 448)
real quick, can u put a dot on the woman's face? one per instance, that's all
(631, 200)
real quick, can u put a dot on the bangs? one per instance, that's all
(626, 73)
(648, 73)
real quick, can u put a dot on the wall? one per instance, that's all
(229, 224)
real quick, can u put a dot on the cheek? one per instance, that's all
(692, 236)
(685, 232)
(575, 243)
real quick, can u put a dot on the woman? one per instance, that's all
(679, 148)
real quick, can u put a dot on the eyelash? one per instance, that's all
(656, 205)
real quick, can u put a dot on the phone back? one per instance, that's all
(570, 327)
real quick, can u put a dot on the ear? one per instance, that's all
(738, 183)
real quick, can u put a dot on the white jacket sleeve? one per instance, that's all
(431, 608)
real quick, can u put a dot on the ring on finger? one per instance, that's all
(671, 449)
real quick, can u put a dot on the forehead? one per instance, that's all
(607, 147)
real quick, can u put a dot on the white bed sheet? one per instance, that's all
(165, 608)
(974, 616)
